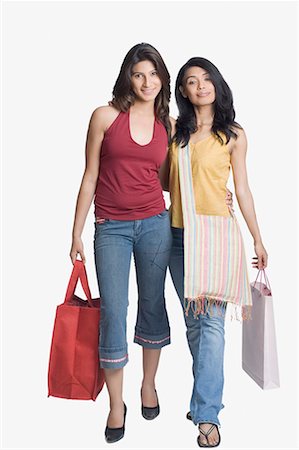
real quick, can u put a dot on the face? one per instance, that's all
(146, 83)
(198, 87)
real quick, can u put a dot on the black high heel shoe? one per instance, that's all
(150, 413)
(188, 415)
(116, 434)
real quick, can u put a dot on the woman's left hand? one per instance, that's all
(261, 260)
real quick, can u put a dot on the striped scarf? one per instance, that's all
(215, 269)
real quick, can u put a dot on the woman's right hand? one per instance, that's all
(260, 262)
(77, 248)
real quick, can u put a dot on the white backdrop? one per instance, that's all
(61, 60)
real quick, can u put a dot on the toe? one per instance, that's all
(203, 440)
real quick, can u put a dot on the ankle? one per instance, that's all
(116, 404)
(148, 384)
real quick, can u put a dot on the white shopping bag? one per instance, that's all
(259, 350)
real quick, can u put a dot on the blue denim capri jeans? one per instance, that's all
(149, 240)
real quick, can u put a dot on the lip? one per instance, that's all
(204, 94)
(147, 91)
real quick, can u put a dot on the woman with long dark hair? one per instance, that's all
(207, 262)
(126, 144)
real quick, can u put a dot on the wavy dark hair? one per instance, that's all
(224, 113)
(123, 95)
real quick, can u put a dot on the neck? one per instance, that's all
(204, 115)
(144, 108)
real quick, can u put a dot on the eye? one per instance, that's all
(137, 75)
(191, 82)
(154, 73)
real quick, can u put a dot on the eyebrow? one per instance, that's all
(142, 73)
(194, 76)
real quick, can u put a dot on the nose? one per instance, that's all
(146, 81)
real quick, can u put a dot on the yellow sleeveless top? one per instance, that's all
(210, 162)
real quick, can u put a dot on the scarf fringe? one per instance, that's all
(204, 305)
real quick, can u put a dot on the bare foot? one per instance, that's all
(149, 396)
(116, 416)
(208, 434)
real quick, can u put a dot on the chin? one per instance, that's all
(203, 103)
(148, 98)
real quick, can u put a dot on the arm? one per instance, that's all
(164, 174)
(99, 122)
(244, 197)
(164, 169)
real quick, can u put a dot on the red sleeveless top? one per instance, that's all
(128, 187)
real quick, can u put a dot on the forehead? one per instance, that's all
(195, 72)
(143, 66)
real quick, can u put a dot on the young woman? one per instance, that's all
(206, 143)
(126, 144)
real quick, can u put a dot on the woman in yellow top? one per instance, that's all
(206, 143)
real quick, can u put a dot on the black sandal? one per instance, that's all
(206, 435)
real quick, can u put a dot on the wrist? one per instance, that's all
(258, 241)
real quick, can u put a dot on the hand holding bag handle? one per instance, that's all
(265, 288)
(259, 348)
(79, 272)
(259, 278)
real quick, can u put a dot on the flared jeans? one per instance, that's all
(205, 336)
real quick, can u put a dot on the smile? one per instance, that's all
(148, 91)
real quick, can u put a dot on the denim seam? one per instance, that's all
(114, 360)
(150, 341)
(199, 353)
(154, 260)
(152, 334)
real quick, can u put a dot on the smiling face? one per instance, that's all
(145, 81)
(198, 87)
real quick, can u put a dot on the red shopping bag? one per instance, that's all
(74, 370)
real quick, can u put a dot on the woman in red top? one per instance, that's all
(126, 146)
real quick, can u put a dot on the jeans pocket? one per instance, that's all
(99, 227)
(163, 214)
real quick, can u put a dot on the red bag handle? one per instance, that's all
(79, 272)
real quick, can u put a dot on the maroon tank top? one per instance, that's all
(128, 186)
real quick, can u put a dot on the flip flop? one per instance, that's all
(206, 434)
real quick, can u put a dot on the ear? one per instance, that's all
(181, 89)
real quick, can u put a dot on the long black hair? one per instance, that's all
(123, 95)
(224, 113)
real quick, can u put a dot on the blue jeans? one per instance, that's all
(205, 337)
(149, 240)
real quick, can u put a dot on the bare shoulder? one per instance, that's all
(103, 116)
(172, 121)
(240, 141)
(240, 132)
(173, 125)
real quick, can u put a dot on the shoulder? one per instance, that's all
(173, 125)
(240, 132)
(103, 116)
(240, 141)
(172, 121)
